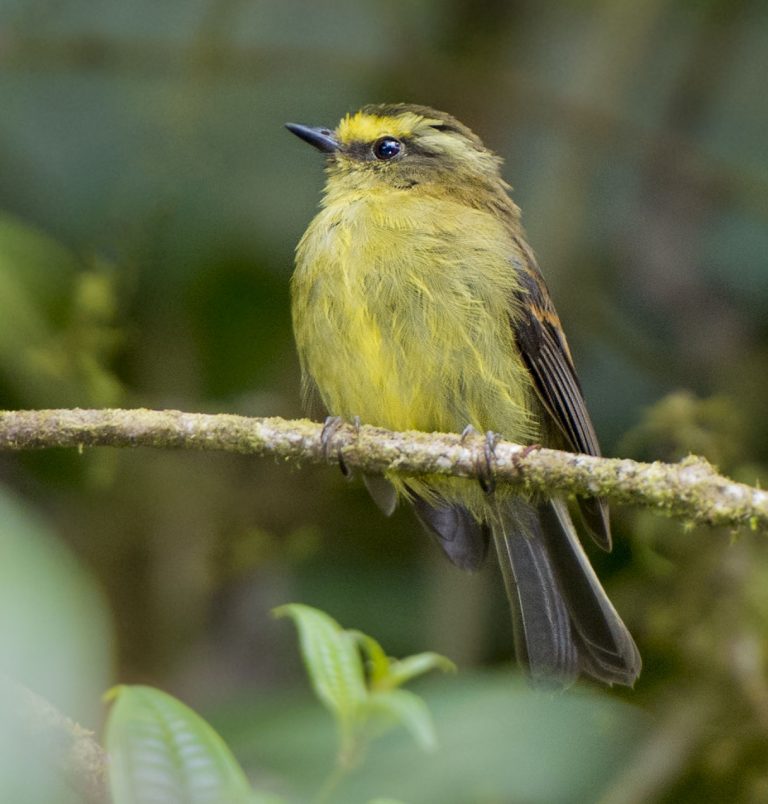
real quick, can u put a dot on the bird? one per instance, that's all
(417, 304)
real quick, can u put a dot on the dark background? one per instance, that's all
(150, 201)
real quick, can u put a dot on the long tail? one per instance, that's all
(564, 623)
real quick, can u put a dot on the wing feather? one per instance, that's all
(545, 352)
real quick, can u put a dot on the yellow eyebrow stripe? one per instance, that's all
(363, 127)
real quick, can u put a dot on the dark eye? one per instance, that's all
(387, 147)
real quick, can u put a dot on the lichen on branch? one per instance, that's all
(691, 489)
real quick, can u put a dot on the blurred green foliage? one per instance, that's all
(55, 640)
(58, 327)
(361, 686)
(161, 751)
(149, 206)
(498, 741)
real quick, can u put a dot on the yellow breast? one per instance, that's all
(401, 310)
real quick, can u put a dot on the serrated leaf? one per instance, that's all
(407, 710)
(403, 670)
(332, 660)
(164, 753)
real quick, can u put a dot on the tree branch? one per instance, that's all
(691, 489)
(71, 749)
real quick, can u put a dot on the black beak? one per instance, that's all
(321, 138)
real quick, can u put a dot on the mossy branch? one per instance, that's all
(690, 489)
(71, 749)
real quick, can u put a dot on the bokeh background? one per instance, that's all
(150, 201)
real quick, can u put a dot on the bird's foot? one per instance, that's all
(485, 467)
(485, 476)
(330, 428)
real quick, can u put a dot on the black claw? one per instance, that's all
(485, 473)
(345, 470)
(330, 428)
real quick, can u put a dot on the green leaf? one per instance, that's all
(164, 753)
(499, 740)
(406, 709)
(332, 660)
(403, 670)
(377, 662)
(385, 673)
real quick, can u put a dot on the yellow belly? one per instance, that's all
(402, 313)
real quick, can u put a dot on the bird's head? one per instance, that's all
(404, 146)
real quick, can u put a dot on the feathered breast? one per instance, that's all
(401, 309)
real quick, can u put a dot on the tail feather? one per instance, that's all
(594, 515)
(543, 635)
(564, 621)
(606, 641)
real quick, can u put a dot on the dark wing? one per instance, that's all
(545, 351)
(463, 539)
